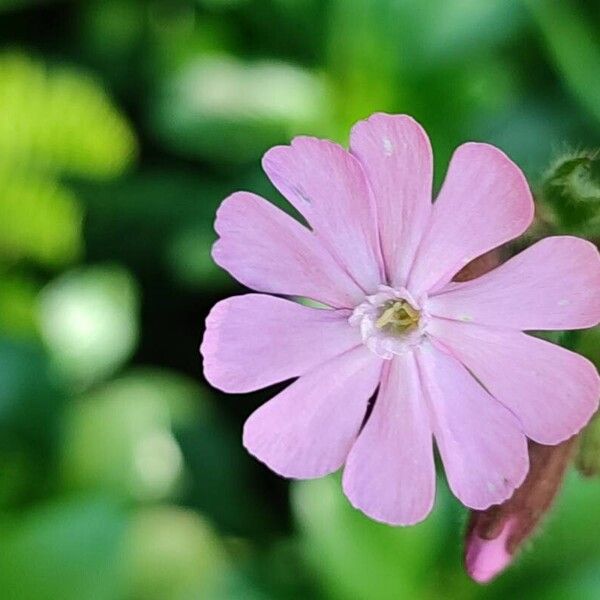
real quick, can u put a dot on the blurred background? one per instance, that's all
(123, 124)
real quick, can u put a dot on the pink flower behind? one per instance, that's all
(447, 361)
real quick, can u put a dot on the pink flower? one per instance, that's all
(446, 360)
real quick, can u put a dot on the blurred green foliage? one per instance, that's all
(561, 23)
(88, 319)
(247, 106)
(588, 458)
(52, 123)
(41, 220)
(59, 120)
(123, 123)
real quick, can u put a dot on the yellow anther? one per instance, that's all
(400, 315)
(410, 311)
(388, 315)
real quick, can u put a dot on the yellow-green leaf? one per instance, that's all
(60, 120)
(39, 220)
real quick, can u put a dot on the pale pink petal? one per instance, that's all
(552, 391)
(484, 202)
(482, 447)
(308, 429)
(554, 284)
(390, 473)
(269, 251)
(255, 340)
(328, 187)
(395, 153)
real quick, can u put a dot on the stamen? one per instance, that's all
(400, 315)
(388, 315)
(389, 322)
(413, 313)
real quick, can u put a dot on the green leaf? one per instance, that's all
(18, 305)
(387, 54)
(59, 120)
(120, 436)
(173, 553)
(357, 558)
(30, 394)
(363, 51)
(229, 111)
(574, 47)
(31, 402)
(66, 550)
(588, 344)
(41, 220)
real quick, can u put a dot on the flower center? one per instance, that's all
(390, 321)
(397, 316)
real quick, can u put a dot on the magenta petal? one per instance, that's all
(554, 284)
(328, 187)
(553, 392)
(255, 340)
(482, 447)
(390, 473)
(307, 430)
(395, 153)
(269, 251)
(484, 202)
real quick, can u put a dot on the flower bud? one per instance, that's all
(494, 535)
(571, 191)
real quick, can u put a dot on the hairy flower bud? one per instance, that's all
(571, 190)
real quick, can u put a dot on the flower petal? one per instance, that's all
(390, 473)
(552, 391)
(395, 153)
(554, 284)
(255, 340)
(328, 187)
(307, 430)
(482, 447)
(269, 251)
(484, 202)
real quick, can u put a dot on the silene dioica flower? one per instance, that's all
(444, 360)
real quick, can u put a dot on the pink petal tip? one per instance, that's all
(485, 559)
